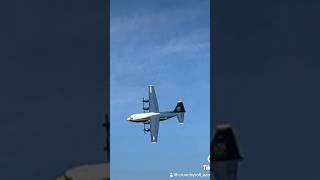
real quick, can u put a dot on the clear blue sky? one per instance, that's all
(164, 43)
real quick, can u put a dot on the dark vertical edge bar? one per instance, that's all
(107, 80)
(212, 76)
(212, 51)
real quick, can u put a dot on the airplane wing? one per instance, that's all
(153, 103)
(154, 128)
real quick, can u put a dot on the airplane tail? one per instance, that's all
(180, 110)
(225, 153)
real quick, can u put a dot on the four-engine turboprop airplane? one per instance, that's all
(152, 116)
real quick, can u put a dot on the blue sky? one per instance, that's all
(164, 43)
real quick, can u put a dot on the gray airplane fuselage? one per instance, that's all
(145, 117)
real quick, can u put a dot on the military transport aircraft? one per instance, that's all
(151, 115)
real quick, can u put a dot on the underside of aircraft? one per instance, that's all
(151, 116)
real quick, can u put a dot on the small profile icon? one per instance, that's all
(171, 174)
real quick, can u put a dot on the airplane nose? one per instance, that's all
(129, 118)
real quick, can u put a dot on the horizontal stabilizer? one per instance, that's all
(180, 117)
(180, 110)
